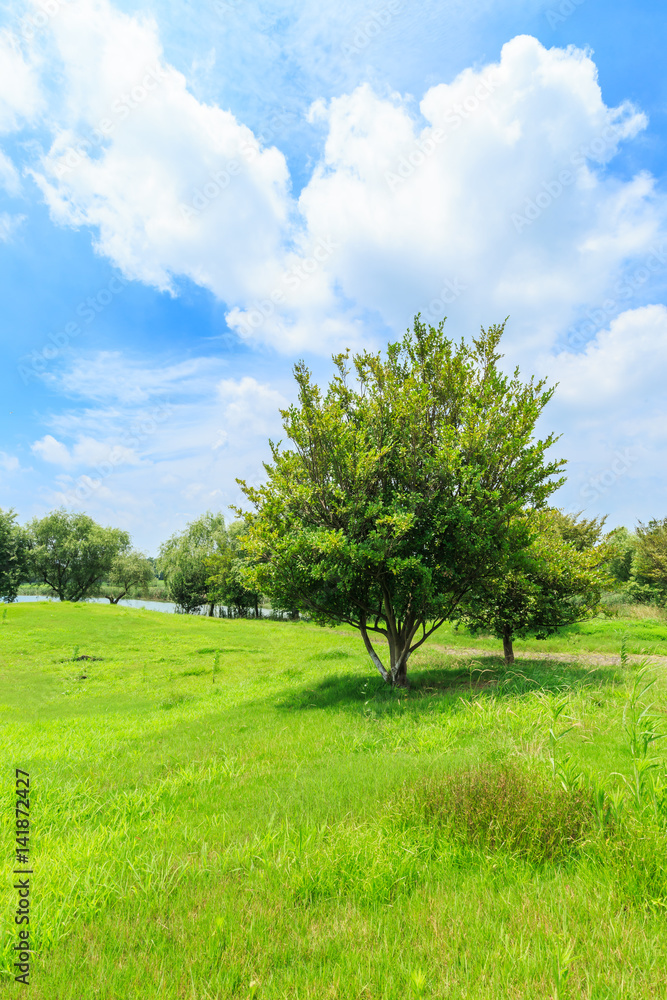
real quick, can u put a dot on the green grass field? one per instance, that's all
(241, 809)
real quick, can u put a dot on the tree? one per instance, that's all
(649, 567)
(183, 560)
(227, 581)
(129, 571)
(399, 494)
(621, 545)
(72, 553)
(557, 580)
(13, 552)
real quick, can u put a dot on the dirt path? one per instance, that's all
(599, 659)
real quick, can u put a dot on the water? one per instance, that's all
(129, 602)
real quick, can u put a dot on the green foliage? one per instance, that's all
(554, 581)
(620, 552)
(183, 560)
(227, 582)
(130, 573)
(402, 492)
(13, 555)
(71, 553)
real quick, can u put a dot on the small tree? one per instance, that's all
(183, 560)
(71, 553)
(13, 556)
(557, 580)
(130, 571)
(400, 493)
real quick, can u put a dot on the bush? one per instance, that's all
(502, 807)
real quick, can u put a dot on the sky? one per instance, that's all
(193, 197)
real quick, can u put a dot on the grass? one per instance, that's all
(227, 808)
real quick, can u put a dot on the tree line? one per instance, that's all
(72, 556)
(414, 492)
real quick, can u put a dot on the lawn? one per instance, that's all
(227, 808)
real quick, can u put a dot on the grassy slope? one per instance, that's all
(235, 837)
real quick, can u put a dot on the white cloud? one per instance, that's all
(9, 463)
(110, 377)
(611, 409)
(174, 187)
(86, 451)
(20, 94)
(51, 450)
(8, 225)
(414, 206)
(495, 200)
(624, 367)
(9, 178)
(250, 408)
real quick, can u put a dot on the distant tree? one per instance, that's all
(554, 581)
(13, 556)
(649, 567)
(401, 492)
(71, 553)
(183, 561)
(227, 582)
(621, 546)
(130, 571)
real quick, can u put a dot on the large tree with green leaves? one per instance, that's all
(401, 489)
(554, 581)
(13, 555)
(72, 553)
(183, 560)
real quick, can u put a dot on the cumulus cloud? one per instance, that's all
(496, 198)
(173, 186)
(495, 202)
(623, 367)
(611, 409)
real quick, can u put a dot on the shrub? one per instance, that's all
(503, 807)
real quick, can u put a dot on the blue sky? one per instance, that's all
(194, 197)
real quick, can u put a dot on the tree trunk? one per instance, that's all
(508, 649)
(400, 675)
(210, 610)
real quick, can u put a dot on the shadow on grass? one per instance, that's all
(479, 677)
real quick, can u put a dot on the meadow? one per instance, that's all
(227, 808)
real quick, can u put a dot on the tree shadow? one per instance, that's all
(483, 676)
